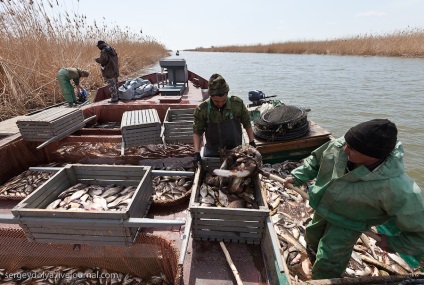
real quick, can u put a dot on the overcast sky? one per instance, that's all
(186, 24)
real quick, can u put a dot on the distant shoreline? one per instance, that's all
(406, 43)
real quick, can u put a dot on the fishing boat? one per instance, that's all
(184, 259)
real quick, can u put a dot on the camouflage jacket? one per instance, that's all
(238, 109)
(109, 61)
(74, 74)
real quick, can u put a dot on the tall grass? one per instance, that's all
(37, 38)
(407, 43)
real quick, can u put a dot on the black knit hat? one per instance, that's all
(100, 43)
(375, 138)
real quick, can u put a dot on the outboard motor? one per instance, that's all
(258, 98)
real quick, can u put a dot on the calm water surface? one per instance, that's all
(341, 91)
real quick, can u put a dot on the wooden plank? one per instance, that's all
(96, 242)
(229, 235)
(143, 127)
(240, 229)
(78, 231)
(49, 115)
(100, 225)
(77, 237)
(225, 223)
(218, 214)
(232, 239)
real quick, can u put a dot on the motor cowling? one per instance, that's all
(256, 95)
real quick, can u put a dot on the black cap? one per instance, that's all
(375, 138)
(100, 43)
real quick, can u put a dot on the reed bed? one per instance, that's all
(38, 37)
(405, 43)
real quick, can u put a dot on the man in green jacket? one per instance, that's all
(360, 182)
(220, 118)
(64, 76)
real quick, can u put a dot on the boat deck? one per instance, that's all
(204, 262)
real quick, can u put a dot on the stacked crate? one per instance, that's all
(85, 227)
(178, 125)
(54, 123)
(140, 127)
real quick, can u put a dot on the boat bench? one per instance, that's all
(177, 89)
(140, 127)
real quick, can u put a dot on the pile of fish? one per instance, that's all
(290, 215)
(171, 188)
(211, 194)
(25, 183)
(170, 150)
(84, 197)
(231, 185)
(54, 275)
(107, 125)
(152, 151)
(89, 149)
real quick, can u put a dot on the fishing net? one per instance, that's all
(149, 256)
(284, 122)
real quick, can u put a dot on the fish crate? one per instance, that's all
(54, 122)
(211, 163)
(237, 225)
(85, 227)
(178, 125)
(141, 127)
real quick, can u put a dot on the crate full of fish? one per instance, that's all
(231, 208)
(87, 204)
(56, 122)
(178, 125)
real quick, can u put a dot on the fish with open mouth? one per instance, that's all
(243, 161)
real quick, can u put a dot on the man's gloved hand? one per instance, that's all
(252, 143)
(197, 159)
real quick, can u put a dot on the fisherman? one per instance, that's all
(64, 76)
(360, 182)
(110, 70)
(220, 118)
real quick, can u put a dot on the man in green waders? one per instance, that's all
(220, 118)
(360, 182)
(64, 76)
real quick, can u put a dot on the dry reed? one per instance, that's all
(406, 43)
(37, 38)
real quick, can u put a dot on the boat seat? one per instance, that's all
(177, 76)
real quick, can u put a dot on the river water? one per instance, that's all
(341, 91)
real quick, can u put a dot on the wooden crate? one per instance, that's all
(237, 225)
(91, 227)
(45, 125)
(140, 127)
(211, 163)
(178, 125)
